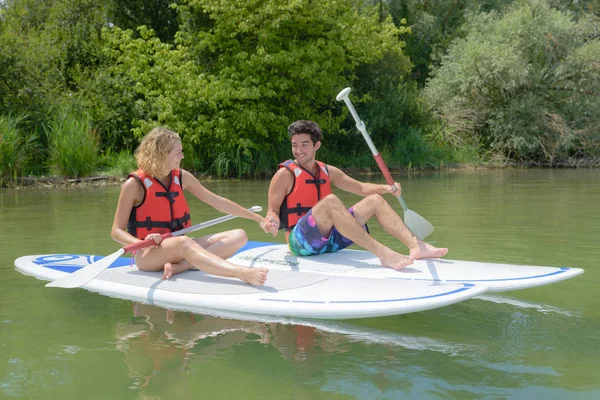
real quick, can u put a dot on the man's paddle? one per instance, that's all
(86, 274)
(417, 224)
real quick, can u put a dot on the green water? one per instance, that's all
(534, 343)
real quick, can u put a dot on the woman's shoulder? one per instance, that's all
(186, 173)
(132, 182)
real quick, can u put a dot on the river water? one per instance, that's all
(539, 342)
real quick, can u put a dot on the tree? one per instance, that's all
(237, 76)
(158, 15)
(433, 25)
(525, 83)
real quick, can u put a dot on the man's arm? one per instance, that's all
(344, 182)
(280, 186)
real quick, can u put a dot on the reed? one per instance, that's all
(17, 148)
(73, 144)
(117, 164)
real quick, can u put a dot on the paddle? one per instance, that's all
(86, 274)
(417, 224)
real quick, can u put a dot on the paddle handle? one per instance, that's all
(149, 242)
(142, 244)
(360, 125)
(384, 170)
(388, 178)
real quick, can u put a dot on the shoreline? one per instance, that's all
(98, 181)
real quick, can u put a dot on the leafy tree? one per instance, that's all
(272, 62)
(525, 83)
(433, 24)
(24, 59)
(45, 45)
(237, 76)
(158, 15)
(579, 8)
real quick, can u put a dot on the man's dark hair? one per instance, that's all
(309, 127)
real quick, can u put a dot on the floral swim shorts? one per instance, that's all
(305, 239)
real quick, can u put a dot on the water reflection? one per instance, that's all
(496, 341)
(158, 340)
(477, 349)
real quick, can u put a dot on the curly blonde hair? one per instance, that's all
(151, 155)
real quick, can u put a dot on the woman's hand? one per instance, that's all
(269, 225)
(156, 238)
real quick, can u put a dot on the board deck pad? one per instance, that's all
(287, 294)
(200, 283)
(357, 263)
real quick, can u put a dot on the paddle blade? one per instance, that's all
(417, 224)
(86, 274)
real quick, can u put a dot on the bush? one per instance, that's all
(524, 84)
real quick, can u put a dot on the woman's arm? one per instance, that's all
(191, 184)
(280, 186)
(131, 195)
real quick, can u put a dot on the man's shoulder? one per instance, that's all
(285, 164)
(283, 172)
(334, 169)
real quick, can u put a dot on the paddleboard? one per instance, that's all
(362, 264)
(286, 293)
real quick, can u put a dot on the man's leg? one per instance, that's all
(331, 211)
(376, 206)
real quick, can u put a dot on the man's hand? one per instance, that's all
(269, 225)
(396, 189)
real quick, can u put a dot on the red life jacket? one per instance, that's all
(306, 192)
(162, 210)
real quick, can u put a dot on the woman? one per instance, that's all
(152, 202)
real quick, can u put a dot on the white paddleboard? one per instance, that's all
(288, 294)
(357, 263)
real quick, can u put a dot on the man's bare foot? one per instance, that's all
(254, 276)
(395, 260)
(425, 250)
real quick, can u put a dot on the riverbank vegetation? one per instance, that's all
(438, 83)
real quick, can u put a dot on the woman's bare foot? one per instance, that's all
(171, 269)
(425, 250)
(394, 260)
(167, 271)
(254, 276)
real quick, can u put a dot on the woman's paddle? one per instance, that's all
(417, 224)
(86, 274)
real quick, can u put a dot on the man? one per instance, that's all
(316, 221)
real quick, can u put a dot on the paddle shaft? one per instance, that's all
(149, 242)
(360, 125)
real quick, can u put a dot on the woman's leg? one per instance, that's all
(175, 250)
(223, 245)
